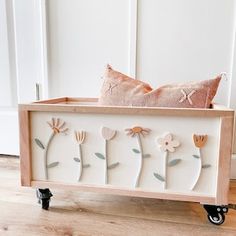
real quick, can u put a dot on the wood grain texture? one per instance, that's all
(124, 192)
(80, 213)
(225, 151)
(82, 105)
(25, 147)
(52, 101)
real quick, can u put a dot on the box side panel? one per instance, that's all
(225, 154)
(25, 147)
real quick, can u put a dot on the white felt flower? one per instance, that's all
(107, 133)
(167, 143)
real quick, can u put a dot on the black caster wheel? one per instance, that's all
(217, 220)
(45, 203)
(216, 214)
(44, 196)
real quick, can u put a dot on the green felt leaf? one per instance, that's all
(135, 150)
(39, 143)
(99, 155)
(53, 164)
(174, 162)
(146, 155)
(206, 166)
(113, 165)
(159, 177)
(86, 165)
(196, 156)
(76, 159)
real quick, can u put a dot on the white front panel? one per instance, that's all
(180, 178)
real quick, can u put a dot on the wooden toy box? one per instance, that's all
(165, 153)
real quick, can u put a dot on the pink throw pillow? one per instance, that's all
(121, 90)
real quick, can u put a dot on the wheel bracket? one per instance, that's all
(215, 210)
(232, 206)
(44, 196)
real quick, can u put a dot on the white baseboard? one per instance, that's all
(233, 167)
(9, 136)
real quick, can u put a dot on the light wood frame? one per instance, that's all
(81, 105)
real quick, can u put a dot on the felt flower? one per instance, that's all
(167, 143)
(137, 130)
(199, 140)
(80, 136)
(57, 126)
(107, 133)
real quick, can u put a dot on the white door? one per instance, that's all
(8, 93)
(20, 65)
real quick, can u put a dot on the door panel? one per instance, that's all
(8, 111)
(6, 81)
(20, 65)
(83, 36)
(185, 40)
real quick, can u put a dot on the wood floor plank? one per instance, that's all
(79, 213)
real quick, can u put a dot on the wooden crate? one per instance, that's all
(119, 151)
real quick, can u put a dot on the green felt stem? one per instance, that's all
(106, 162)
(140, 160)
(46, 155)
(199, 169)
(81, 162)
(165, 169)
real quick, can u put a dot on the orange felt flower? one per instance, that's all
(199, 140)
(137, 130)
(57, 126)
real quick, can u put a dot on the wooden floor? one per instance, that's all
(76, 213)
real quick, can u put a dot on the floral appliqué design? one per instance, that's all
(80, 137)
(137, 132)
(57, 127)
(108, 134)
(199, 142)
(166, 145)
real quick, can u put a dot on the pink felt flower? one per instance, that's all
(167, 143)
